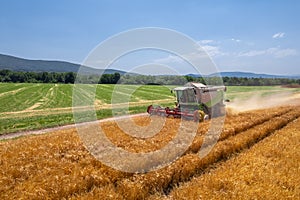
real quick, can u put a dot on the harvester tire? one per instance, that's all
(207, 111)
(199, 116)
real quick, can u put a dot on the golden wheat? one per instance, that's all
(236, 123)
(140, 186)
(268, 171)
(57, 165)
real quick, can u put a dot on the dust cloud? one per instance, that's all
(257, 101)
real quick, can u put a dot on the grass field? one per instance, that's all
(33, 97)
(256, 157)
(35, 106)
(244, 92)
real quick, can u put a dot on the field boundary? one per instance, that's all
(9, 136)
(30, 111)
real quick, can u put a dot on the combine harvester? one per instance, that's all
(194, 101)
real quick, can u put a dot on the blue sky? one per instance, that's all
(254, 36)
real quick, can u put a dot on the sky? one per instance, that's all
(252, 36)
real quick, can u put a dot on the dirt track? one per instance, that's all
(48, 130)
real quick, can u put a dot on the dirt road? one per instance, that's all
(47, 130)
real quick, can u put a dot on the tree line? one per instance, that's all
(54, 77)
(69, 77)
(36, 77)
(244, 81)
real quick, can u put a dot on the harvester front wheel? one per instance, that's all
(199, 115)
(150, 109)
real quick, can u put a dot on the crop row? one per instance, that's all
(167, 128)
(140, 186)
(235, 124)
(57, 165)
(267, 171)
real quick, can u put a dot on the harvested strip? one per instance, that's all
(56, 165)
(269, 170)
(141, 186)
(234, 124)
(238, 123)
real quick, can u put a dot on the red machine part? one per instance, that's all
(175, 112)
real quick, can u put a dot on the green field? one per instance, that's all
(35, 106)
(244, 92)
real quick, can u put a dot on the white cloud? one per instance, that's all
(278, 35)
(212, 50)
(279, 53)
(205, 45)
(205, 42)
(252, 53)
(211, 47)
(276, 52)
(235, 40)
(169, 59)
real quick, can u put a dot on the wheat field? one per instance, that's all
(256, 156)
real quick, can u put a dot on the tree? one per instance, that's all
(189, 78)
(105, 79)
(116, 77)
(69, 77)
(45, 77)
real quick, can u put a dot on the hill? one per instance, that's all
(246, 75)
(251, 75)
(20, 64)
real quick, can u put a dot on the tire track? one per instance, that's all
(130, 186)
(141, 186)
(240, 176)
(42, 100)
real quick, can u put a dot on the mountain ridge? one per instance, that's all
(239, 74)
(26, 65)
(14, 63)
